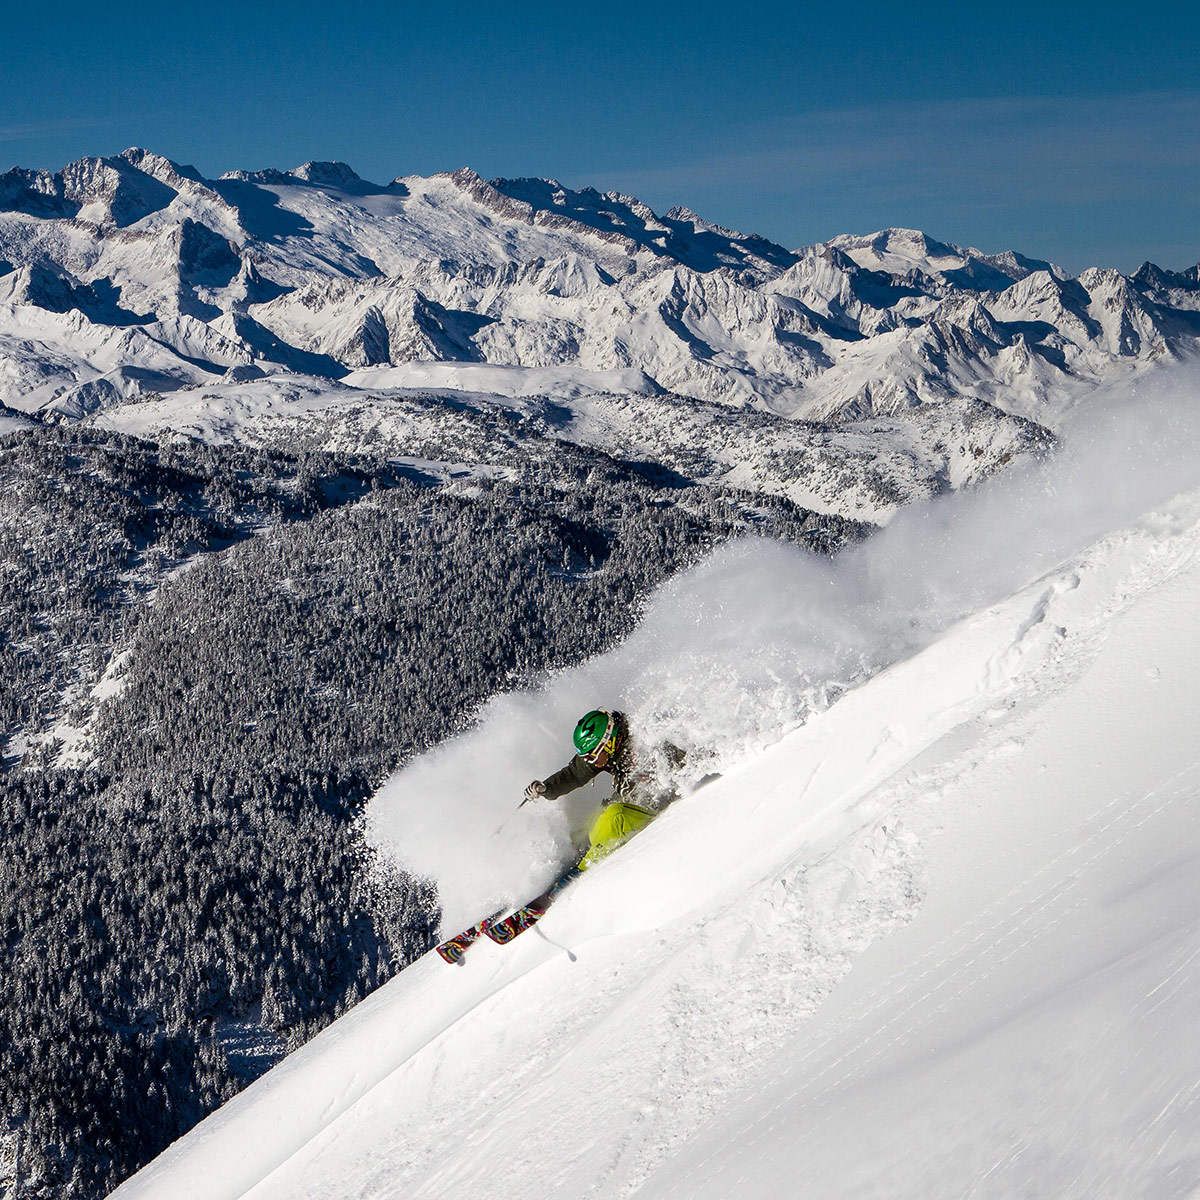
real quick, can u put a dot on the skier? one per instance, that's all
(602, 743)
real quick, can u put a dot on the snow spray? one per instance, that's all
(732, 654)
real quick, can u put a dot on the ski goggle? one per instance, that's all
(607, 744)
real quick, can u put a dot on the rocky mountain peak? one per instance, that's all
(327, 174)
(529, 273)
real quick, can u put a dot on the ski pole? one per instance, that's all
(505, 822)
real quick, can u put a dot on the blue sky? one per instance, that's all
(1064, 131)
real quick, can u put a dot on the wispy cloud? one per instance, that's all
(40, 129)
(975, 142)
(1028, 163)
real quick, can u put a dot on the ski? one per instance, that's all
(454, 948)
(503, 931)
(516, 922)
(525, 918)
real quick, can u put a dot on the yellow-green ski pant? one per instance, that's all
(613, 828)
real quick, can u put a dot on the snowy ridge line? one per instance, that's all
(843, 470)
(1035, 660)
(685, 882)
(697, 798)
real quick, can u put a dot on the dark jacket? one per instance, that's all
(640, 787)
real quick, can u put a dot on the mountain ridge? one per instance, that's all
(300, 469)
(528, 273)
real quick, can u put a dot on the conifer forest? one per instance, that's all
(210, 656)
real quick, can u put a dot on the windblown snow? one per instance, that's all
(933, 932)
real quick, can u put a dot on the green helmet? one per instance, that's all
(595, 732)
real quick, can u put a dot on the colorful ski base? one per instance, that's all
(516, 922)
(453, 950)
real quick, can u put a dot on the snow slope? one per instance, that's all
(940, 939)
(1031, 1033)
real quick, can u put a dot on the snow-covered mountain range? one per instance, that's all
(130, 279)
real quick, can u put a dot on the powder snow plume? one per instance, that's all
(732, 654)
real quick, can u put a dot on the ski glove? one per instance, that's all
(536, 790)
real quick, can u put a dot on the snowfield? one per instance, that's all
(935, 932)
